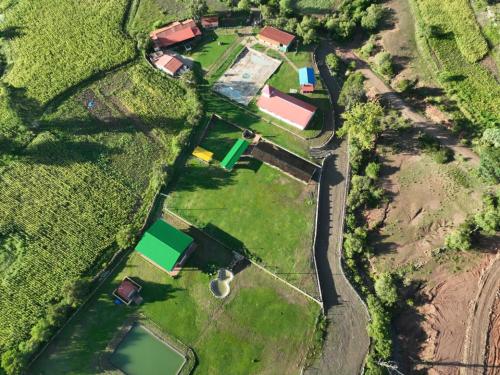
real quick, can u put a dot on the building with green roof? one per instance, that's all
(164, 246)
(234, 154)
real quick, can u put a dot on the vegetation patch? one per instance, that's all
(235, 335)
(56, 44)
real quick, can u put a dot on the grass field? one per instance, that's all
(78, 182)
(263, 325)
(214, 46)
(314, 7)
(57, 44)
(241, 208)
(470, 84)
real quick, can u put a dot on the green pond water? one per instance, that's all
(142, 353)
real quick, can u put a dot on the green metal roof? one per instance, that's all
(163, 244)
(234, 154)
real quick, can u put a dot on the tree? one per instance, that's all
(244, 5)
(383, 64)
(286, 7)
(489, 165)
(353, 91)
(197, 8)
(306, 29)
(363, 122)
(266, 11)
(333, 62)
(372, 17)
(13, 362)
(125, 237)
(372, 170)
(291, 25)
(460, 238)
(379, 327)
(488, 219)
(386, 289)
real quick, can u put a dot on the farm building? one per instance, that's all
(285, 107)
(307, 80)
(173, 33)
(170, 64)
(128, 291)
(165, 247)
(210, 22)
(234, 154)
(276, 38)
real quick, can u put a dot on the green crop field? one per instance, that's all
(263, 325)
(57, 44)
(470, 84)
(82, 178)
(314, 6)
(254, 208)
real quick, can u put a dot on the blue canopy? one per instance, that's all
(306, 76)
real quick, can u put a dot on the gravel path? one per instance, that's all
(347, 341)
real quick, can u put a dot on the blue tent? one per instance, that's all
(306, 76)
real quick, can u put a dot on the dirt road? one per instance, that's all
(388, 95)
(346, 344)
(478, 327)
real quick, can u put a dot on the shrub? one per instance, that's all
(435, 149)
(367, 49)
(460, 238)
(372, 170)
(488, 219)
(404, 85)
(489, 166)
(352, 91)
(333, 62)
(386, 289)
(372, 17)
(383, 64)
(379, 327)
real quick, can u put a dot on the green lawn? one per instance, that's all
(263, 325)
(213, 47)
(255, 207)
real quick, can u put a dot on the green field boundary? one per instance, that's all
(238, 251)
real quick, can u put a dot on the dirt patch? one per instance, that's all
(437, 116)
(493, 348)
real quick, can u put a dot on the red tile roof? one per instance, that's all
(126, 289)
(286, 107)
(278, 36)
(169, 63)
(209, 21)
(175, 32)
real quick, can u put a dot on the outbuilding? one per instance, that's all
(165, 247)
(276, 38)
(210, 22)
(170, 64)
(174, 33)
(307, 80)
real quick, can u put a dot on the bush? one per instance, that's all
(383, 64)
(460, 238)
(488, 220)
(367, 49)
(404, 85)
(333, 62)
(372, 170)
(435, 149)
(489, 166)
(352, 91)
(386, 289)
(379, 328)
(371, 19)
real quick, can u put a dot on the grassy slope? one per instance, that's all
(261, 325)
(241, 208)
(80, 180)
(57, 44)
(471, 84)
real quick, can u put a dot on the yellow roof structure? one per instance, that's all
(203, 154)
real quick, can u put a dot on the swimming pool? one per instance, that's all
(143, 353)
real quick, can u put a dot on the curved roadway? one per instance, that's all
(346, 343)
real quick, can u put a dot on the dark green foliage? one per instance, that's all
(489, 167)
(363, 123)
(367, 49)
(306, 29)
(197, 8)
(351, 14)
(386, 289)
(372, 170)
(460, 238)
(379, 328)
(488, 219)
(353, 91)
(404, 85)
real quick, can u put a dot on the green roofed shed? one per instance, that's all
(234, 154)
(163, 245)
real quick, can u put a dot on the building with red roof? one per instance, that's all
(285, 107)
(175, 32)
(210, 22)
(169, 64)
(276, 38)
(128, 291)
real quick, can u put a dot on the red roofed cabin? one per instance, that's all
(276, 38)
(210, 22)
(285, 107)
(173, 33)
(128, 291)
(169, 64)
